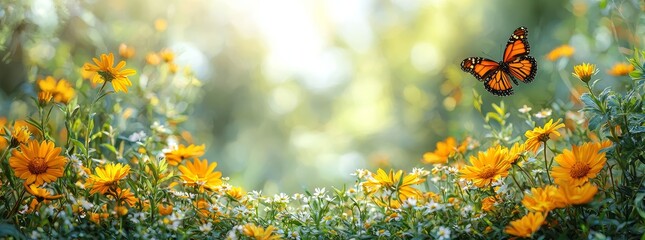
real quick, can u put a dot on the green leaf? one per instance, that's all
(79, 145)
(109, 147)
(587, 99)
(602, 4)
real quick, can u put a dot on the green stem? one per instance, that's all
(546, 165)
(88, 130)
(15, 206)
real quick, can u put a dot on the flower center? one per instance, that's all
(543, 137)
(579, 170)
(38, 165)
(488, 172)
(107, 76)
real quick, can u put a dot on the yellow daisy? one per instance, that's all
(182, 152)
(235, 193)
(487, 167)
(259, 233)
(394, 182)
(527, 225)
(584, 71)
(444, 150)
(114, 74)
(516, 152)
(37, 163)
(200, 174)
(535, 137)
(579, 165)
(107, 177)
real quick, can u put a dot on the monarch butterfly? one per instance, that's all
(516, 64)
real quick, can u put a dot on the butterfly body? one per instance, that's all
(516, 65)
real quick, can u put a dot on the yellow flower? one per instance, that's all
(41, 194)
(20, 135)
(114, 74)
(579, 165)
(561, 51)
(444, 150)
(535, 137)
(37, 163)
(3, 141)
(543, 199)
(126, 51)
(235, 193)
(167, 55)
(125, 196)
(107, 177)
(259, 233)
(515, 152)
(164, 209)
(577, 195)
(161, 24)
(584, 71)
(121, 211)
(60, 91)
(44, 98)
(64, 92)
(182, 152)
(394, 182)
(621, 69)
(200, 174)
(153, 59)
(487, 167)
(527, 225)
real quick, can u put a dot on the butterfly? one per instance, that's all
(516, 64)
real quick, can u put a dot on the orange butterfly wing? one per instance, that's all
(499, 83)
(479, 67)
(516, 64)
(523, 68)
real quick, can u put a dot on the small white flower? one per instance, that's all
(524, 109)
(420, 172)
(361, 173)
(206, 227)
(544, 113)
(383, 233)
(319, 192)
(443, 233)
(137, 136)
(465, 210)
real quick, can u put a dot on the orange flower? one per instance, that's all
(444, 150)
(164, 209)
(41, 194)
(543, 199)
(527, 225)
(126, 51)
(539, 135)
(621, 69)
(487, 167)
(259, 233)
(182, 152)
(37, 163)
(200, 174)
(561, 51)
(580, 164)
(573, 195)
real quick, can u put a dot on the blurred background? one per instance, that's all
(297, 94)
